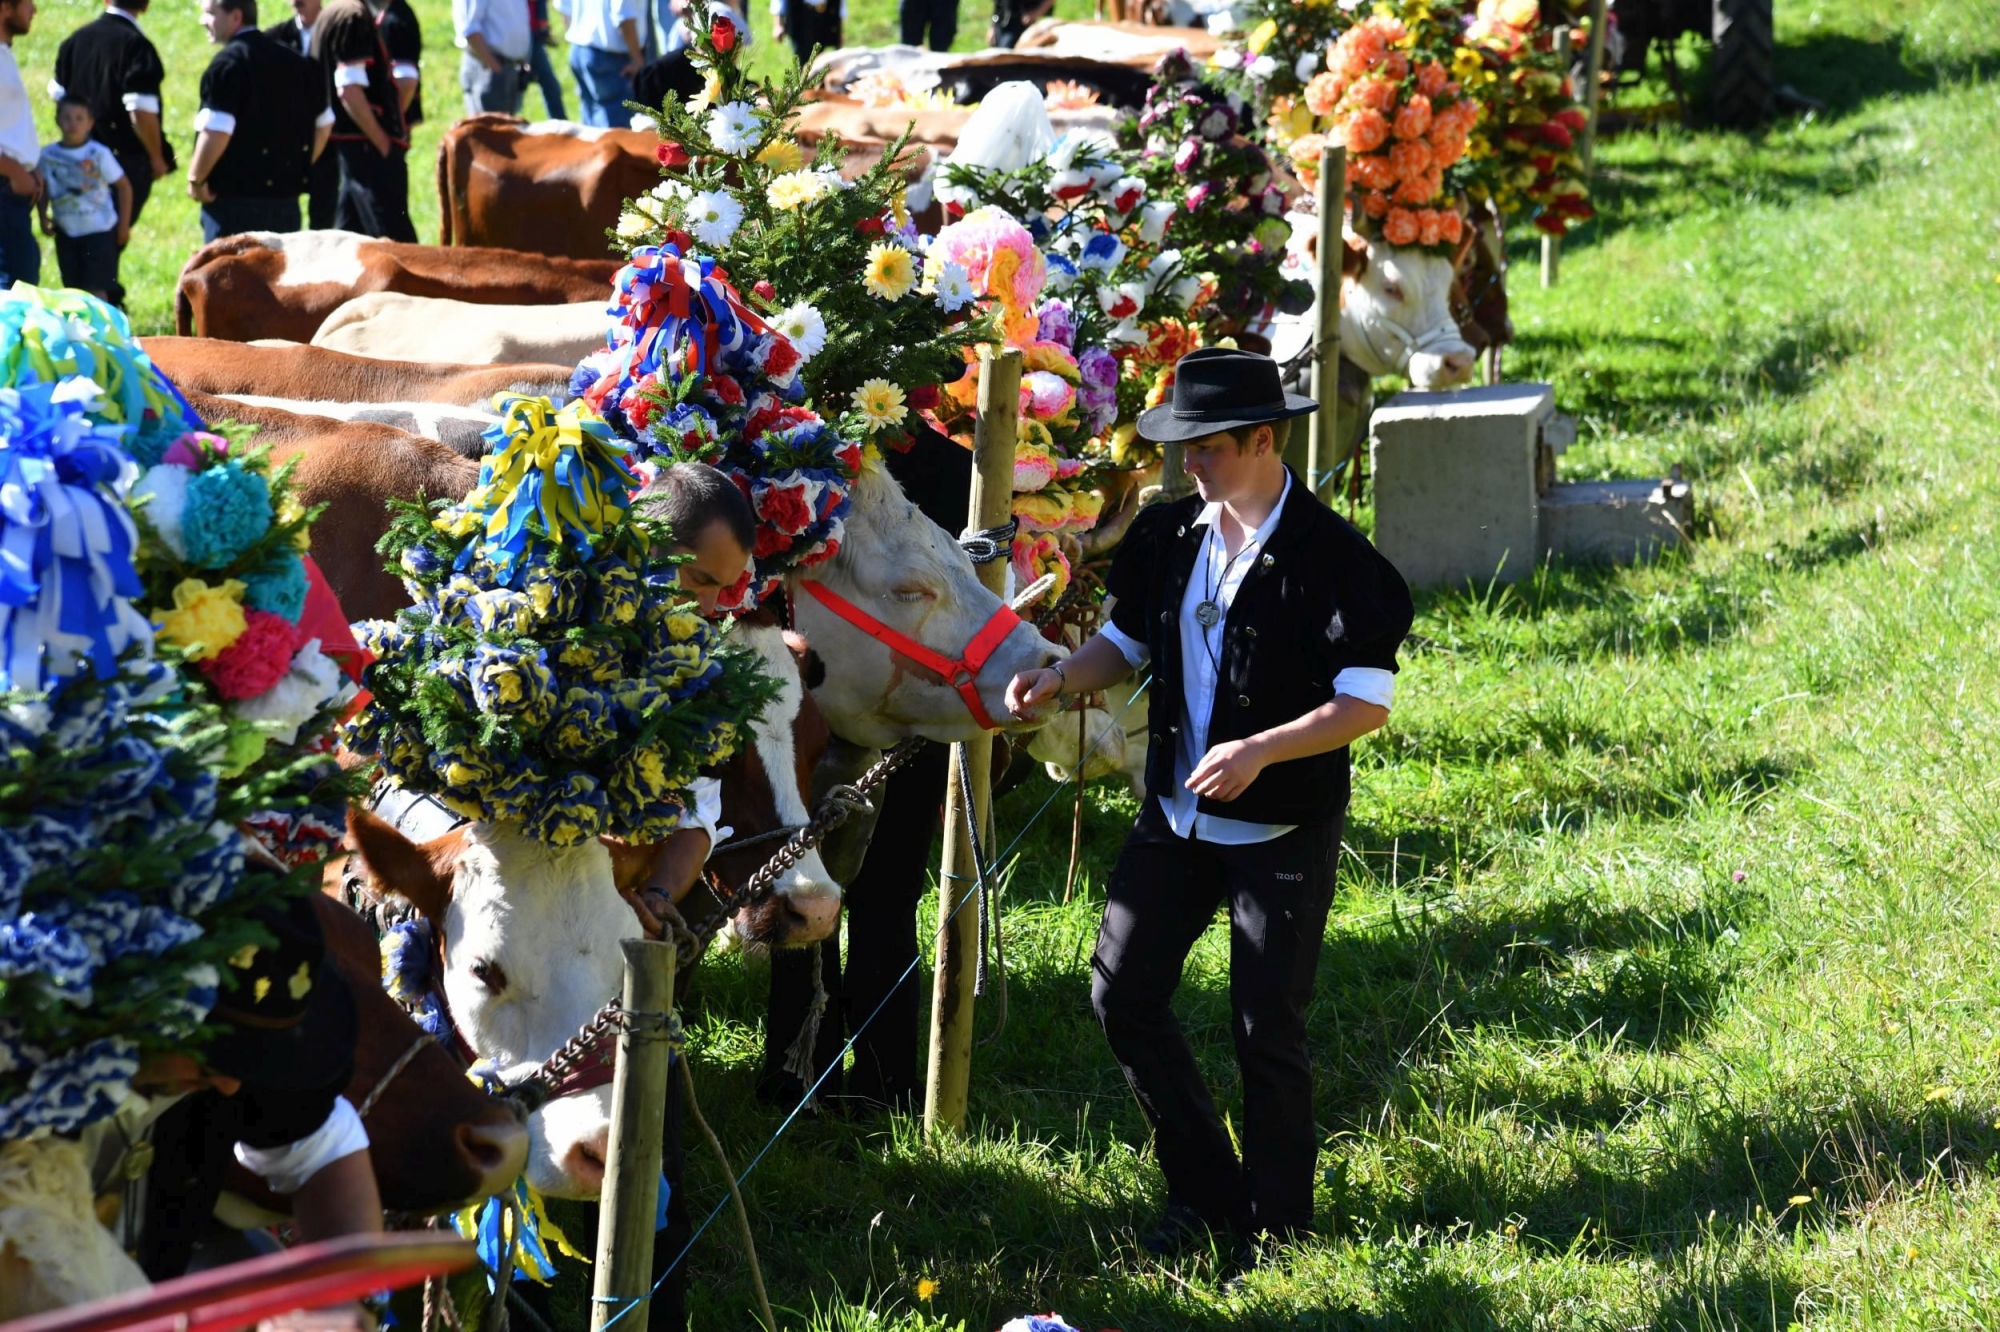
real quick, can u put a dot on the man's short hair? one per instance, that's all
(1281, 434)
(244, 9)
(690, 496)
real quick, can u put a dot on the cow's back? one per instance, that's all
(396, 327)
(554, 189)
(269, 285)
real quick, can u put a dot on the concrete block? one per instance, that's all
(1615, 521)
(1455, 482)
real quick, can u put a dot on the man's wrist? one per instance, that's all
(1062, 678)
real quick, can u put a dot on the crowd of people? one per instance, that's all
(317, 105)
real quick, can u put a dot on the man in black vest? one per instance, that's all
(1271, 628)
(263, 122)
(323, 182)
(112, 65)
(369, 134)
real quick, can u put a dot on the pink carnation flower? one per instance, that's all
(997, 253)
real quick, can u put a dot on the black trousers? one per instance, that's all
(139, 170)
(940, 16)
(1161, 896)
(881, 906)
(806, 27)
(323, 190)
(374, 192)
(232, 216)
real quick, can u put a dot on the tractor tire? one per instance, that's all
(1740, 84)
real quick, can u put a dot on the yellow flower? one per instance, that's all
(1261, 35)
(633, 224)
(781, 155)
(927, 1290)
(795, 189)
(881, 403)
(711, 92)
(891, 272)
(205, 620)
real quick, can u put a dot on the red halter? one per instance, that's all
(961, 674)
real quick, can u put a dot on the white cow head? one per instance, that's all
(901, 568)
(1395, 316)
(531, 934)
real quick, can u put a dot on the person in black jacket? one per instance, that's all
(369, 133)
(1271, 628)
(112, 65)
(323, 182)
(263, 122)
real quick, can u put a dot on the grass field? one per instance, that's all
(1659, 990)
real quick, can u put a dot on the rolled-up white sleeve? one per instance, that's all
(1370, 684)
(1134, 652)
(351, 76)
(56, 91)
(402, 70)
(707, 812)
(286, 1169)
(325, 120)
(210, 120)
(141, 102)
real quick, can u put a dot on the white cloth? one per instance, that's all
(209, 120)
(353, 75)
(595, 22)
(17, 115)
(305, 40)
(1201, 653)
(80, 181)
(286, 1169)
(707, 811)
(680, 36)
(141, 102)
(503, 23)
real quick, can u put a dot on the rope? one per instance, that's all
(791, 1118)
(382, 1083)
(735, 1197)
(986, 544)
(799, 1055)
(1076, 821)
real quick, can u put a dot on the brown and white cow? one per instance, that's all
(354, 468)
(451, 403)
(389, 325)
(532, 935)
(265, 284)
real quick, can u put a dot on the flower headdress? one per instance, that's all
(835, 264)
(549, 674)
(1524, 154)
(694, 375)
(123, 875)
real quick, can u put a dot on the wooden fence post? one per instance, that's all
(1593, 85)
(1551, 247)
(631, 1197)
(1323, 435)
(950, 1070)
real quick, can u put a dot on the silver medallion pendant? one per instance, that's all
(1206, 613)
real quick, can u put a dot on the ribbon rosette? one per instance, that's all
(553, 476)
(66, 540)
(57, 335)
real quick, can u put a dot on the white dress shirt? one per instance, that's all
(286, 1169)
(1217, 576)
(17, 117)
(595, 22)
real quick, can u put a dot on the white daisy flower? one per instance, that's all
(713, 217)
(954, 288)
(734, 129)
(1306, 66)
(803, 327)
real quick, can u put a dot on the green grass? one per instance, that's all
(1659, 990)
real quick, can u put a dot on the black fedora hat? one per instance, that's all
(1218, 389)
(288, 1021)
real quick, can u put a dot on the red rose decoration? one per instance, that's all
(785, 507)
(726, 390)
(770, 541)
(869, 226)
(764, 291)
(670, 154)
(850, 458)
(782, 358)
(923, 397)
(722, 33)
(680, 240)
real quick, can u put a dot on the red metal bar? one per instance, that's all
(242, 1294)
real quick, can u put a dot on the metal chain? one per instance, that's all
(988, 544)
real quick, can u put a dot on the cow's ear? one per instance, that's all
(1354, 257)
(421, 874)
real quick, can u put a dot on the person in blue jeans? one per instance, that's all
(20, 149)
(606, 49)
(541, 69)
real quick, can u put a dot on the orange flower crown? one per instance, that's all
(1403, 119)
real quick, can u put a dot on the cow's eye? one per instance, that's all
(489, 974)
(1391, 291)
(911, 592)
